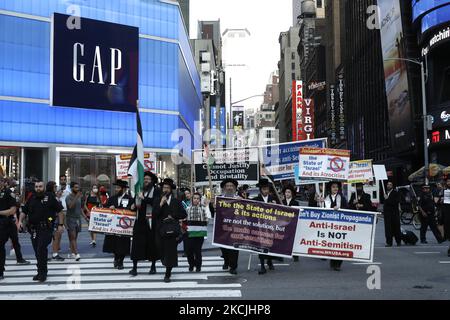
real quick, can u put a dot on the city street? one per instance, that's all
(407, 272)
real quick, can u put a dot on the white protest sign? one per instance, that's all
(112, 221)
(380, 172)
(360, 171)
(324, 164)
(335, 234)
(123, 162)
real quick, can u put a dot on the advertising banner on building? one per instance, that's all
(360, 171)
(255, 226)
(238, 118)
(280, 160)
(240, 164)
(123, 162)
(112, 221)
(92, 70)
(335, 234)
(324, 164)
(333, 125)
(396, 75)
(308, 119)
(341, 105)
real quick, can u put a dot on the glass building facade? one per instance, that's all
(169, 84)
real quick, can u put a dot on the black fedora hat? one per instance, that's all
(169, 182)
(228, 180)
(150, 174)
(290, 187)
(121, 183)
(263, 183)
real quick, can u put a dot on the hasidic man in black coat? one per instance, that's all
(264, 196)
(391, 214)
(168, 208)
(119, 245)
(145, 244)
(360, 200)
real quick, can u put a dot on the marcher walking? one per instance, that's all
(73, 219)
(427, 215)
(445, 210)
(289, 200)
(391, 215)
(169, 211)
(230, 256)
(91, 201)
(197, 222)
(146, 242)
(61, 194)
(119, 245)
(335, 200)
(266, 197)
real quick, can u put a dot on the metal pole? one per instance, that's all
(425, 129)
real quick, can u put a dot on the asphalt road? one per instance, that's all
(406, 272)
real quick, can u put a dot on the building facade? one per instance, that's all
(45, 141)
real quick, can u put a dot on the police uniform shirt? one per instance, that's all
(6, 201)
(40, 210)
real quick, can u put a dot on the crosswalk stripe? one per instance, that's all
(367, 263)
(434, 252)
(108, 264)
(63, 271)
(111, 295)
(38, 287)
(27, 278)
(444, 262)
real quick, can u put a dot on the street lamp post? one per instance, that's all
(424, 112)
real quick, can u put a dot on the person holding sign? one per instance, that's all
(169, 211)
(335, 200)
(118, 245)
(392, 215)
(289, 194)
(445, 209)
(145, 244)
(264, 196)
(230, 256)
(360, 200)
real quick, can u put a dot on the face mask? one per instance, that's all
(95, 190)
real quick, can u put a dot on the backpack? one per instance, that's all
(409, 238)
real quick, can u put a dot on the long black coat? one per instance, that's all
(390, 205)
(270, 199)
(169, 252)
(364, 200)
(293, 203)
(145, 244)
(119, 245)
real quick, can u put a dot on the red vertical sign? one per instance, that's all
(308, 119)
(298, 132)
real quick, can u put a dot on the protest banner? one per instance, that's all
(280, 160)
(240, 164)
(112, 221)
(300, 181)
(324, 164)
(335, 234)
(255, 226)
(360, 171)
(123, 162)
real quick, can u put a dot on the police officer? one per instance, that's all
(427, 215)
(42, 210)
(7, 210)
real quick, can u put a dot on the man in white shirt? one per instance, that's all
(62, 193)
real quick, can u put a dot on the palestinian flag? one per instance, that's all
(136, 167)
(197, 229)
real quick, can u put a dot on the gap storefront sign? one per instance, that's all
(94, 64)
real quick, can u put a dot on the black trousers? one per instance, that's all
(230, 257)
(336, 263)
(429, 221)
(41, 239)
(193, 248)
(392, 227)
(262, 258)
(3, 240)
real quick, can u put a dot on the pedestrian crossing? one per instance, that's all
(95, 278)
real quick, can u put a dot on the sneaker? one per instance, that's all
(93, 244)
(191, 269)
(22, 261)
(77, 257)
(57, 257)
(71, 256)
